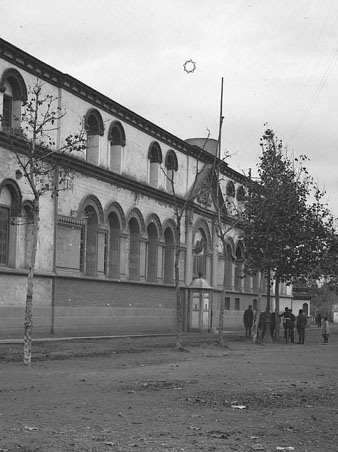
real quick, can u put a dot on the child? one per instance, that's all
(326, 330)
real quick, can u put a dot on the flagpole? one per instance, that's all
(218, 152)
(220, 123)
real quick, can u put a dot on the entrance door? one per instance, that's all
(195, 310)
(205, 311)
(200, 310)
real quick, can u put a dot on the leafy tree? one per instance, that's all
(43, 164)
(323, 298)
(288, 229)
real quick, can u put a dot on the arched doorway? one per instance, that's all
(91, 241)
(114, 246)
(169, 254)
(152, 253)
(134, 249)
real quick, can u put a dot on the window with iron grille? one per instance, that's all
(227, 303)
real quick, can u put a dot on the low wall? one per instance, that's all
(13, 288)
(92, 306)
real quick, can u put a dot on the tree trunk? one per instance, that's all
(258, 312)
(268, 290)
(28, 324)
(277, 284)
(222, 303)
(177, 286)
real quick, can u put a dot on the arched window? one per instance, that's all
(152, 253)
(228, 269)
(155, 160)
(14, 92)
(169, 254)
(5, 215)
(117, 140)
(91, 241)
(114, 246)
(134, 249)
(10, 208)
(171, 165)
(200, 254)
(239, 267)
(94, 128)
(240, 194)
(230, 189)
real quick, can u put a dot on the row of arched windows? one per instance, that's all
(14, 91)
(117, 140)
(131, 247)
(100, 247)
(111, 244)
(118, 246)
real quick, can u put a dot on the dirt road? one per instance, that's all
(143, 395)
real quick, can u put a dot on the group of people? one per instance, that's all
(290, 321)
(255, 325)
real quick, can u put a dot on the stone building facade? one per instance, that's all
(105, 259)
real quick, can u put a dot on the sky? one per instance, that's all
(277, 59)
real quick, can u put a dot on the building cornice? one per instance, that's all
(104, 175)
(36, 67)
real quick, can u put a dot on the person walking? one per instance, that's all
(326, 330)
(248, 321)
(319, 319)
(300, 325)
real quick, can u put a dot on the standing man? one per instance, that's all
(301, 324)
(288, 323)
(248, 320)
(292, 327)
(326, 330)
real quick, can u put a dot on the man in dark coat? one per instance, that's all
(248, 321)
(301, 324)
(288, 323)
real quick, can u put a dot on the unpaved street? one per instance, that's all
(143, 395)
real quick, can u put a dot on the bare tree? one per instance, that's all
(222, 231)
(182, 208)
(40, 159)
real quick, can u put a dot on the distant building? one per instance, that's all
(301, 298)
(105, 261)
(335, 313)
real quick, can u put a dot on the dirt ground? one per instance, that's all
(141, 394)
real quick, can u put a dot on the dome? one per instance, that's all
(199, 283)
(208, 144)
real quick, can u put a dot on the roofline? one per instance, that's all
(44, 71)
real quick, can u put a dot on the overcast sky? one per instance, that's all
(278, 59)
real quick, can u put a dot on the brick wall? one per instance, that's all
(13, 286)
(88, 306)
